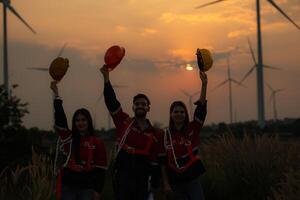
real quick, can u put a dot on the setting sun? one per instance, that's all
(189, 67)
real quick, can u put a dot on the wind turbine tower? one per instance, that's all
(259, 69)
(7, 5)
(230, 81)
(273, 99)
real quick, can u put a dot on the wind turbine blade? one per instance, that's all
(224, 82)
(283, 13)
(17, 14)
(185, 93)
(62, 50)
(279, 90)
(271, 67)
(236, 82)
(248, 73)
(251, 51)
(38, 68)
(208, 4)
(269, 86)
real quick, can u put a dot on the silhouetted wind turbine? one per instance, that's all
(229, 80)
(259, 69)
(46, 69)
(255, 63)
(190, 96)
(108, 113)
(7, 5)
(273, 98)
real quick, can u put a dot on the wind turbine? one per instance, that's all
(7, 5)
(190, 96)
(255, 63)
(230, 81)
(46, 69)
(259, 69)
(273, 98)
(108, 113)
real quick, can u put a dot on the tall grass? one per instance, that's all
(251, 168)
(34, 181)
(248, 168)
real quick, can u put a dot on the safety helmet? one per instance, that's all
(206, 58)
(58, 68)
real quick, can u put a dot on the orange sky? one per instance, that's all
(151, 31)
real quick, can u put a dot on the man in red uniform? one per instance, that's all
(137, 145)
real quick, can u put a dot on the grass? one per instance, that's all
(249, 168)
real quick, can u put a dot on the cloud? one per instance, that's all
(120, 29)
(148, 31)
(243, 16)
(240, 33)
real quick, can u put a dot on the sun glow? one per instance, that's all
(189, 67)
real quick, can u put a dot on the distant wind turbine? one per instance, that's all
(7, 5)
(190, 96)
(230, 81)
(273, 99)
(108, 113)
(46, 69)
(259, 69)
(255, 63)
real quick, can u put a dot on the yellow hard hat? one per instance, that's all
(58, 68)
(206, 58)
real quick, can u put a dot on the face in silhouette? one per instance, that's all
(140, 107)
(81, 123)
(178, 115)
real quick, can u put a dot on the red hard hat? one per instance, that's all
(114, 56)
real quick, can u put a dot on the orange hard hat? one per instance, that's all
(206, 58)
(58, 68)
(114, 56)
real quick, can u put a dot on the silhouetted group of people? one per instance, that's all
(146, 159)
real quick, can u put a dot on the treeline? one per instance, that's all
(287, 127)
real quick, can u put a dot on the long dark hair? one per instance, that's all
(186, 120)
(75, 132)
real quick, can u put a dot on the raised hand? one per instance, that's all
(105, 72)
(54, 87)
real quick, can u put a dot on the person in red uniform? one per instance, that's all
(181, 141)
(136, 142)
(85, 163)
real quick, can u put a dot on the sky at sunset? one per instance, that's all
(159, 37)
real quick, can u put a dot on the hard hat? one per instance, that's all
(58, 68)
(114, 56)
(205, 58)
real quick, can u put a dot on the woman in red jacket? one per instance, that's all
(85, 162)
(181, 141)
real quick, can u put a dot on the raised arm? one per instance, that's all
(59, 113)
(111, 101)
(203, 78)
(201, 109)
